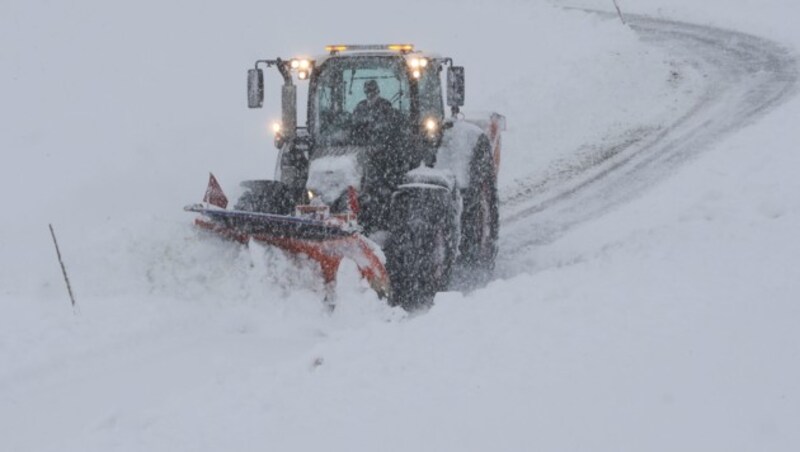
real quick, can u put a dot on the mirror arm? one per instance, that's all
(283, 68)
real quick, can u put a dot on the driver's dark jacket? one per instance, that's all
(379, 111)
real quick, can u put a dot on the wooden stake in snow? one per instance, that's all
(619, 12)
(63, 268)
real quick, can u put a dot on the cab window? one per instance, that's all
(340, 88)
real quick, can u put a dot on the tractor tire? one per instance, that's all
(421, 248)
(265, 196)
(480, 216)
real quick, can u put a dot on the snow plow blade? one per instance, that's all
(325, 242)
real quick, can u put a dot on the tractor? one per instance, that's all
(379, 174)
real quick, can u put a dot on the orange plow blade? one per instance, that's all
(323, 238)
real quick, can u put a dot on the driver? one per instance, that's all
(374, 108)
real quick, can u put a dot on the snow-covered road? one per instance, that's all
(730, 79)
(647, 288)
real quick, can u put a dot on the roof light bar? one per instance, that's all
(401, 47)
(396, 47)
(335, 48)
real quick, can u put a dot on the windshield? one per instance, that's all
(355, 96)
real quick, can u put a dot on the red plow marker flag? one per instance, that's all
(214, 194)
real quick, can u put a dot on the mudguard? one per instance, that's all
(460, 141)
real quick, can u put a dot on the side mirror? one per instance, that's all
(255, 88)
(455, 86)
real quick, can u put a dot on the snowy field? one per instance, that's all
(647, 290)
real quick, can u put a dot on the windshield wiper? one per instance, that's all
(352, 79)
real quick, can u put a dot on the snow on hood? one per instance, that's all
(329, 177)
(423, 174)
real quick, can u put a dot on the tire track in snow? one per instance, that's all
(743, 77)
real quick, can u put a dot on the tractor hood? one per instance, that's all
(329, 176)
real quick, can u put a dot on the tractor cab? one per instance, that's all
(375, 112)
(410, 81)
(373, 98)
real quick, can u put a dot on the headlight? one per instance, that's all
(431, 125)
(417, 62)
(302, 66)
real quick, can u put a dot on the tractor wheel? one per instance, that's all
(480, 217)
(265, 196)
(421, 248)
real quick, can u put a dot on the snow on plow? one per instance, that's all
(312, 231)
